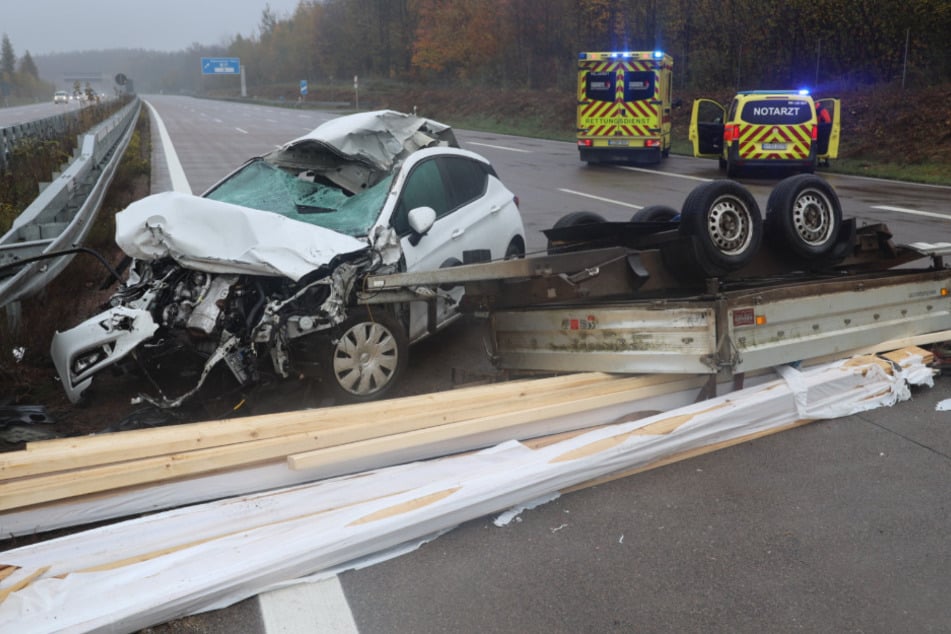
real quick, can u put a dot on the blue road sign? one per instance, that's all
(220, 66)
(303, 87)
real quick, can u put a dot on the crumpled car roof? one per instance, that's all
(217, 237)
(356, 151)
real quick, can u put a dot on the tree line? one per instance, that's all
(534, 43)
(829, 45)
(19, 78)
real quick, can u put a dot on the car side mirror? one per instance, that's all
(421, 219)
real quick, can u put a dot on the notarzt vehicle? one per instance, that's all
(766, 129)
(624, 106)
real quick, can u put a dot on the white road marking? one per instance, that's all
(605, 200)
(241, 131)
(305, 608)
(500, 147)
(913, 212)
(656, 173)
(175, 171)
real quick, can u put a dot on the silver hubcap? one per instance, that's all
(365, 358)
(730, 226)
(812, 218)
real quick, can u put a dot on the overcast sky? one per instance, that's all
(58, 26)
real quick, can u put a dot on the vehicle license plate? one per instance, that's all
(774, 146)
(617, 141)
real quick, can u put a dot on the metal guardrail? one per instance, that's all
(47, 128)
(63, 213)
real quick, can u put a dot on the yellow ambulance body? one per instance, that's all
(624, 106)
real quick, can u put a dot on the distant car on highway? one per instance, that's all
(61, 96)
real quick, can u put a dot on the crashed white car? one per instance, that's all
(259, 275)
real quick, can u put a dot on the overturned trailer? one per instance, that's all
(705, 290)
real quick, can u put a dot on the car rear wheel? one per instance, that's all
(803, 215)
(515, 249)
(723, 218)
(365, 356)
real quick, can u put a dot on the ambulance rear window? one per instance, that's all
(638, 85)
(776, 111)
(600, 86)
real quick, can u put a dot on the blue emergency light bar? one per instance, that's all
(622, 54)
(801, 91)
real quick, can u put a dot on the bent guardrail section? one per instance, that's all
(63, 213)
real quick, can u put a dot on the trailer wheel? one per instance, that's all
(803, 214)
(656, 213)
(572, 219)
(364, 357)
(576, 218)
(723, 218)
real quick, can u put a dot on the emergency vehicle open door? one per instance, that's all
(706, 128)
(827, 146)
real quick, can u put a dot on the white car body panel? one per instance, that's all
(218, 237)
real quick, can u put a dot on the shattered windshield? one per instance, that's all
(304, 197)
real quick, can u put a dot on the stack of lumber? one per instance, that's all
(62, 482)
(166, 565)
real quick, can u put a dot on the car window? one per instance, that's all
(302, 196)
(424, 187)
(777, 111)
(467, 179)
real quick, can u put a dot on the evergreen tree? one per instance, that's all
(28, 66)
(8, 60)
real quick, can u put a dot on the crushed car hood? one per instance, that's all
(218, 237)
(356, 151)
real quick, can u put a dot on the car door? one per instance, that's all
(706, 128)
(829, 138)
(462, 219)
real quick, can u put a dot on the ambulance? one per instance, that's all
(766, 128)
(624, 106)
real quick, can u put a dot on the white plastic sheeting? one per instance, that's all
(129, 575)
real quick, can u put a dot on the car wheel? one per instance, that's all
(723, 218)
(365, 356)
(573, 219)
(656, 213)
(732, 169)
(803, 214)
(515, 249)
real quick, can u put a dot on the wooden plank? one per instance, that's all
(76, 452)
(58, 485)
(366, 420)
(422, 440)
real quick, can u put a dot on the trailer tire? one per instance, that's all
(656, 213)
(803, 215)
(364, 356)
(575, 218)
(572, 219)
(723, 218)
